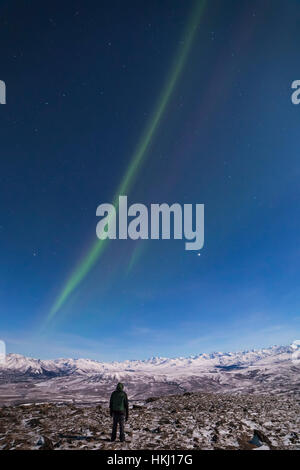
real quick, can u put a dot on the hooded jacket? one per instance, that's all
(119, 401)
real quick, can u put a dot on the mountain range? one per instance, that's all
(268, 370)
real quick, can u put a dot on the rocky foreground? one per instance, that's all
(187, 421)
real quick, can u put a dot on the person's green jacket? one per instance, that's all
(119, 401)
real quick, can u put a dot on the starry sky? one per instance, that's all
(85, 82)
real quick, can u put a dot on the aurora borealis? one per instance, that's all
(139, 155)
(186, 102)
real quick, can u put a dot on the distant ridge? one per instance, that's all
(28, 365)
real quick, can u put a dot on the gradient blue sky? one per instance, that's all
(83, 79)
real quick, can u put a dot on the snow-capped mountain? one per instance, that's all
(270, 370)
(173, 366)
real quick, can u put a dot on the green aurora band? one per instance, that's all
(138, 157)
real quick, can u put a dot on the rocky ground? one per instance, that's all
(187, 421)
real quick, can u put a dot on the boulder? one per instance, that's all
(45, 443)
(151, 399)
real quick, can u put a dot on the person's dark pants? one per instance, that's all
(118, 418)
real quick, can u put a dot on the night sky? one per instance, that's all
(84, 81)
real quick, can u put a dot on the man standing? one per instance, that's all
(118, 406)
